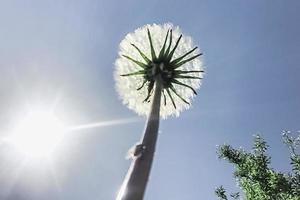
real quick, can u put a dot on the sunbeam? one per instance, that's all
(39, 132)
(104, 123)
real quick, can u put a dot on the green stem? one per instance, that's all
(135, 182)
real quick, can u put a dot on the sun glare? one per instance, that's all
(37, 134)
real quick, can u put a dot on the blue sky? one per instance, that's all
(63, 52)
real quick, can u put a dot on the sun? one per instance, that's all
(37, 134)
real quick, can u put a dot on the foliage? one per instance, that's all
(257, 180)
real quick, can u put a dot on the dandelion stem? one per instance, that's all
(135, 182)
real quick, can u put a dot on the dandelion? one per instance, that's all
(158, 50)
(157, 74)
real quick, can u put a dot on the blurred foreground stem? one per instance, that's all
(134, 185)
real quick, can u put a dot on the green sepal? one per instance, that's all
(142, 54)
(185, 85)
(140, 72)
(170, 43)
(174, 48)
(165, 99)
(142, 85)
(162, 51)
(168, 91)
(150, 88)
(142, 65)
(187, 72)
(187, 60)
(175, 92)
(187, 77)
(183, 56)
(151, 46)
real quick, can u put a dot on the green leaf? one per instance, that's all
(221, 193)
(258, 181)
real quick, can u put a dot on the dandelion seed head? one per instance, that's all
(127, 86)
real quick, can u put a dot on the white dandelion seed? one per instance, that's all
(138, 65)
